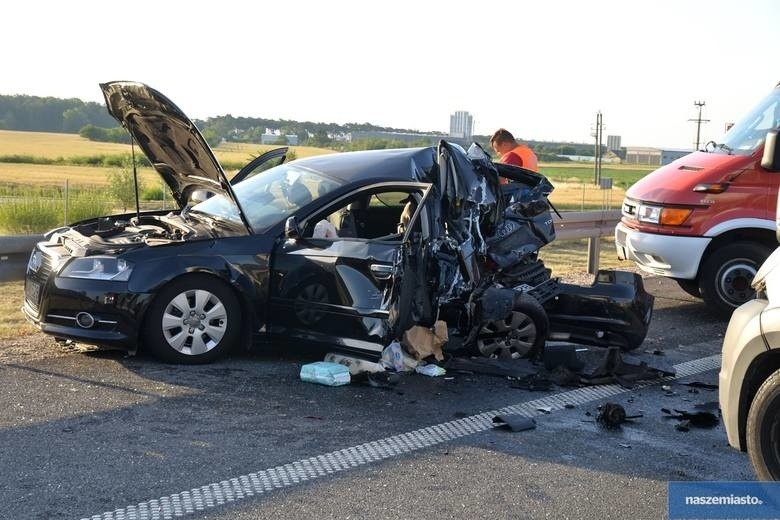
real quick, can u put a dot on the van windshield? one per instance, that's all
(747, 135)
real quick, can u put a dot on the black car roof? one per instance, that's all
(404, 164)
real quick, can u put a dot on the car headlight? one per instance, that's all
(98, 268)
(661, 215)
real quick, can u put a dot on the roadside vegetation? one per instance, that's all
(12, 321)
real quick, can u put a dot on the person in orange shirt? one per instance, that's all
(512, 152)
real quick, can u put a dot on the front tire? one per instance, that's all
(763, 430)
(194, 319)
(727, 273)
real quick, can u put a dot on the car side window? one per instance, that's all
(380, 215)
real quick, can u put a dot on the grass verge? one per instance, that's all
(12, 321)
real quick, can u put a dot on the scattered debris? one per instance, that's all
(430, 370)
(562, 355)
(568, 406)
(518, 368)
(625, 446)
(611, 366)
(699, 384)
(533, 383)
(395, 358)
(703, 419)
(383, 379)
(325, 373)
(656, 352)
(354, 364)
(545, 409)
(613, 415)
(666, 388)
(424, 341)
(683, 426)
(514, 422)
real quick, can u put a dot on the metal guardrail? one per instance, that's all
(574, 225)
(587, 224)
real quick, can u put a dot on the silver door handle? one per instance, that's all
(381, 272)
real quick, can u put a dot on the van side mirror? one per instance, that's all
(771, 159)
(291, 229)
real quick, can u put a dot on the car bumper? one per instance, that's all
(663, 255)
(111, 316)
(742, 343)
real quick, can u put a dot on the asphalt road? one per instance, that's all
(83, 434)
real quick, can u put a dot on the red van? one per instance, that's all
(707, 220)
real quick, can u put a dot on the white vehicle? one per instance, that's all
(750, 369)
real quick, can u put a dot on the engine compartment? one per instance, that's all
(119, 233)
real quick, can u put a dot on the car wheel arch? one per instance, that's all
(759, 370)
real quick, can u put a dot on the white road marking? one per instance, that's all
(303, 470)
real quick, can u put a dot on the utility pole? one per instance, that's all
(597, 133)
(699, 121)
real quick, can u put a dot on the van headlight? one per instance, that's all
(98, 268)
(661, 215)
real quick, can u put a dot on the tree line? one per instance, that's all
(92, 121)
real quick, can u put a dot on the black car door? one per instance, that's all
(343, 292)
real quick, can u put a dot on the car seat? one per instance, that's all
(298, 195)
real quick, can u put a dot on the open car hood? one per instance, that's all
(171, 142)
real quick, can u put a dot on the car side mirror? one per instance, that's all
(291, 229)
(771, 159)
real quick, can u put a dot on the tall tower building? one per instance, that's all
(613, 142)
(461, 125)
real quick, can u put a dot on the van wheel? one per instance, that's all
(522, 334)
(763, 430)
(727, 273)
(194, 319)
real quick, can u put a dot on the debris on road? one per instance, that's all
(699, 384)
(430, 370)
(422, 342)
(518, 368)
(354, 364)
(325, 373)
(562, 355)
(395, 358)
(613, 415)
(702, 419)
(514, 422)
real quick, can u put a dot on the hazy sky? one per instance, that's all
(541, 69)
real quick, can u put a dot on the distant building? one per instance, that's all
(461, 125)
(613, 142)
(653, 156)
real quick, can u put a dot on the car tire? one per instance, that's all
(726, 275)
(763, 430)
(194, 319)
(691, 287)
(526, 328)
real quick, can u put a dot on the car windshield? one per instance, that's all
(747, 135)
(269, 197)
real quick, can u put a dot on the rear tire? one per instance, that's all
(194, 319)
(727, 273)
(763, 430)
(523, 333)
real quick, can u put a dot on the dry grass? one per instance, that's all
(583, 196)
(12, 321)
(24, 174)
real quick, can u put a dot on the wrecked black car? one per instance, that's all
(346, 250)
